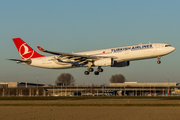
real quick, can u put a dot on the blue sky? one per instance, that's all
(81, 25)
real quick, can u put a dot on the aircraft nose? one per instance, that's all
(172, 49)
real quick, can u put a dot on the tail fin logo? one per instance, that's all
(25, 51)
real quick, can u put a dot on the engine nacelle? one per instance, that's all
(120, 64)
(104, 62)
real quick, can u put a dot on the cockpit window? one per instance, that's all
(167, 45)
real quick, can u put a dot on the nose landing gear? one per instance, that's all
(159, 62)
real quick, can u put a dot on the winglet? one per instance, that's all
(40, 48)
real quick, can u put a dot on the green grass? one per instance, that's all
(100, 105)
(91, 101)
(89, 97)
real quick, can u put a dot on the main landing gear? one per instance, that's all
(159, 62)
(91, 70)
(98, 70)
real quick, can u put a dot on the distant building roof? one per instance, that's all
(143, 84)
(20, 84)
(130, 82)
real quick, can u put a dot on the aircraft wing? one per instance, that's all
(73, 56)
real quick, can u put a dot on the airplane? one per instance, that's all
(114, 57)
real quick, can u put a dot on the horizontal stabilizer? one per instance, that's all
(21, 61)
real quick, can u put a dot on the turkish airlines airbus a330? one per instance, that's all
(114, 57)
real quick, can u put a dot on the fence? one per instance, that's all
(31, 91)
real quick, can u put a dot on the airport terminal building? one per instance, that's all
(113, 89)
(18, 84)
(117, 89)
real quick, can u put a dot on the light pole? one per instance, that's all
(150, 89)
(53, 90)
(37, 86)
(168, 84)
(77, 89)
(61, 90)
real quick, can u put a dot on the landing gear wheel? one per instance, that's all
(96, 73)
(86, 73)
(100, 70)
(91, 69)
(159, 62)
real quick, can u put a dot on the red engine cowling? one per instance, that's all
(120, 64)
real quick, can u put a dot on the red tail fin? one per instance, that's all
(24, 50)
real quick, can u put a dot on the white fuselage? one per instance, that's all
(119, 54)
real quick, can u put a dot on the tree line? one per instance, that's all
(68, 80)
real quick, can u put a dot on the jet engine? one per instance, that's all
(120, 64)
(104, 62)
